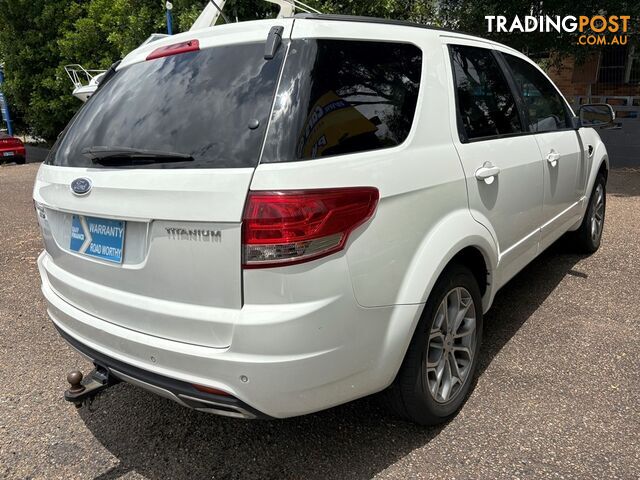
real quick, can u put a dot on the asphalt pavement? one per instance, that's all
(557, 393)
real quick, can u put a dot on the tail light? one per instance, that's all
(175, 49)
(11, 142)
(289, 227)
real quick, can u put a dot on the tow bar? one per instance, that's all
(84, 389)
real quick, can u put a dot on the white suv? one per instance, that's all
(270, 218)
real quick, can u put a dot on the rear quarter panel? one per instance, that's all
(422, 219)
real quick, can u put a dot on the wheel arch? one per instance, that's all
(462, 240)
(456, 238)
(600, 162)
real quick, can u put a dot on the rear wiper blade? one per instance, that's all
(132, 156)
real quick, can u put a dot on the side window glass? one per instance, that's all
(546, 110)
(485, 103)
(343, 96)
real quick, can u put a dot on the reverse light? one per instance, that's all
(175, 49)
(289, 227)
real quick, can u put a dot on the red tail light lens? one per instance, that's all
(175, 49)
(289, 227)
(213, 391)
(11, 142)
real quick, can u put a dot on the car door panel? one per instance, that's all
(491, 136)
(512, 203)
(563, 182)
(562, 152)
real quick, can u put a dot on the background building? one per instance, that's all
(611, 75)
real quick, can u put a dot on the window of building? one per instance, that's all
(613, 64)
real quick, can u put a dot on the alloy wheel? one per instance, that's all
(597, 215)
(451, 345)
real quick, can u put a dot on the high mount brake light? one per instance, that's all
(288, 227)
(175, 49)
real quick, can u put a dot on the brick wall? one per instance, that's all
(563, 77)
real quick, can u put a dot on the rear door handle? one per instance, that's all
(487, 173)
(553, 157)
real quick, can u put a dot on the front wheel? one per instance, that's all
(438, 369)
(589, 235)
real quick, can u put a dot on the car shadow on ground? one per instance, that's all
(159, 439)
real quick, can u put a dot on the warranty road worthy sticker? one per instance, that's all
(98, 237)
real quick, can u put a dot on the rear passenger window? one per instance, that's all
(343, 96)
(544, 106)
(485, 103)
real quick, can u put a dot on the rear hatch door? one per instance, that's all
(141, 198)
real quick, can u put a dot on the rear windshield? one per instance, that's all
(212, 105)
(343, 96)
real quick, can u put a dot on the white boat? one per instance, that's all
(85, 81)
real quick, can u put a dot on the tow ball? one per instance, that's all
(83, 389)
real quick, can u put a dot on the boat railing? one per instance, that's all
(81, 76)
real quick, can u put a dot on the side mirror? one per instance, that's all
(595, 115)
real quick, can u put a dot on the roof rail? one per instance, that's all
(377, 20)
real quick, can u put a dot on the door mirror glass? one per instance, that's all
(596, 115)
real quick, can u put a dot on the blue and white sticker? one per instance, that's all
(98, 237)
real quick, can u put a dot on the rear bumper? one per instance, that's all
(275, 367)
(17, 154)
(180, 392)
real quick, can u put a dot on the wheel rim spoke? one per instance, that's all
(445, 307)
(455, 369)
(446, 381)
(597, 217)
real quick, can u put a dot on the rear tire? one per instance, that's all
(438, 369)
(20, 161)
(589, 236)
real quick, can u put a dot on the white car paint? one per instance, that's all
(293, 340)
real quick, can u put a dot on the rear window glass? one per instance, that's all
(197, 104)
(343, 96)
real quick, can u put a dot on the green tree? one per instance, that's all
(469, 16)
(415, 10)
(108, 29)
(39, 37)
(29, 30)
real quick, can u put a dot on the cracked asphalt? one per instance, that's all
(557, 393)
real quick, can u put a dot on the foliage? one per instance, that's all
(29, 30)
(469, 16)
(39, 37)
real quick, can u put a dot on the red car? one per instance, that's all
(12, 149)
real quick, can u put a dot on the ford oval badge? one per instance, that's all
(81, 186)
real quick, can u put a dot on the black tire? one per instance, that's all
(409, 396)
(585, 240)
(20, 161)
